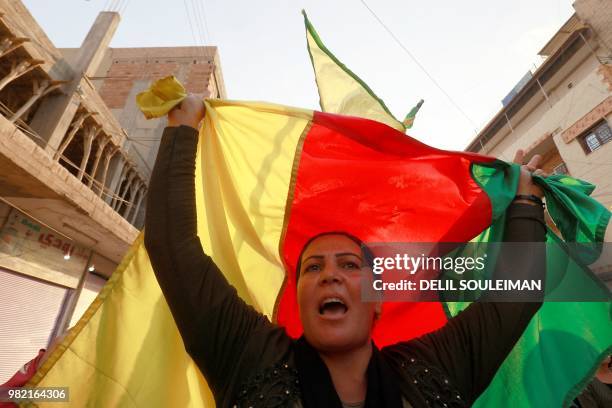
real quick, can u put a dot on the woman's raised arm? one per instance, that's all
(214, 322)
(472, 346)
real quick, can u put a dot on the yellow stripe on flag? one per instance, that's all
(340, 90)
(246, 166)
(126, 350)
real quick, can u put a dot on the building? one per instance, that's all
(75, 160)
(563, 110)
(125, 72)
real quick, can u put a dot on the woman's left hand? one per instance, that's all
(526, 184)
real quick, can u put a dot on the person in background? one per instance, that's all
(598, 393)
(21, 377)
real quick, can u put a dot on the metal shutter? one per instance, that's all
(28, 311)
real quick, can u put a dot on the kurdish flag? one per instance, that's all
(342, 91)
(268, 178)
(533, 374)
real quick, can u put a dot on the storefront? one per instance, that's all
(47, 281)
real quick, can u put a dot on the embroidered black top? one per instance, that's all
(248, 361)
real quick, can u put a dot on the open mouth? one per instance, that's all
(332, 307)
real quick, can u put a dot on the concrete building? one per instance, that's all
(125, 72)
(75, 160)
(563, 110)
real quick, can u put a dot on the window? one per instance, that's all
(596, 137)
(560, 169)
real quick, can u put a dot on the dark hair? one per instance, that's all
(365, 250)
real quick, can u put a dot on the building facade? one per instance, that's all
(75, 161)
(125, 72)
(563, 110)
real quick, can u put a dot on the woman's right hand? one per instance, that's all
(189, 112)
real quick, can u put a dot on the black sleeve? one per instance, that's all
(471, 346)
(213, 320)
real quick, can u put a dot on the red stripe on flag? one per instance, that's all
(369, 180)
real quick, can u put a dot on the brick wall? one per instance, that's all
(598, 15)
(122, 74)
(198, 77)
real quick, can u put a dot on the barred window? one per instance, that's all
(560, 169)
(596, 137)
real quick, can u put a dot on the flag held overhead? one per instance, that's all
(270, 178)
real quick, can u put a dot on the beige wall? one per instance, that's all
(595, 167)
(573, 92)
(568, 106)
(598, 15)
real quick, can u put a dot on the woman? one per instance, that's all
(249, 361)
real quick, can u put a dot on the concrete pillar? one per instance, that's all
(116, 172)
(94, 46)
(128, 185)
(18, 69)
(9, 44)
(75, 128)
(118, 188)
(88, 138)
(130, 213)
(128, 198)
(107, 159)
(55, 114)
(141, 193)
(102, 142)
(40, 89)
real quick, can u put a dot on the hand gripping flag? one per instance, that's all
(268, 178)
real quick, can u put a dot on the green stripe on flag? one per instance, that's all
(562, 346)
(409, 119)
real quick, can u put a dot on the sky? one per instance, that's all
(476, 50)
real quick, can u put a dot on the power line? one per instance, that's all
(202, 5)
(195, 41)
(198, 20)
(125, 6)
(388, 30)
(113, 5)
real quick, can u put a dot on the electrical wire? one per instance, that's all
(187, 14)
(199, 30)
(113, 5)
(203, 6)
(198, 20)
(421, 67)
(571, 106)
(124, 8)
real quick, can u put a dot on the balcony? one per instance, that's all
(62, 155)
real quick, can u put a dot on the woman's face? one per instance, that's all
(329, 295)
